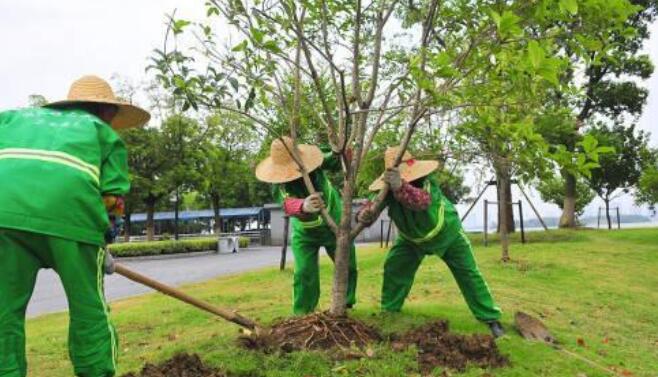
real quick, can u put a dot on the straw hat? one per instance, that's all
(96, 90)
(410, 168)
(280, 167)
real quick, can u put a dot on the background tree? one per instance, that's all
(551, 190)
(147, 160)
(606, 66)
(620, 171)
(36, 100)
(180, 137)
(226, 169)
(647, 192)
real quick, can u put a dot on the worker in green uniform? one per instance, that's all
(62, 168)
(309, 231)
(427, 224)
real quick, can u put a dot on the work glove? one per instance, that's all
(366, 216)
(108, 263)
(313, 203)
(392, 177)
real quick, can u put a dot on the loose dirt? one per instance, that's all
(438, 347)
(312, 332)
(181, 365)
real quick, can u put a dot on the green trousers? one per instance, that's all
(306, 284)
(92, 339)
(403, 261)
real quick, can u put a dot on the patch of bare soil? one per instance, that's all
(438, 347)
(532, 329)
(181, 365)
(312, 332)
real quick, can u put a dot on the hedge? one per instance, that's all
(133, 249)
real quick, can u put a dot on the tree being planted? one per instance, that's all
(437, 58)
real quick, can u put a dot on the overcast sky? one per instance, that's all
(47, 44)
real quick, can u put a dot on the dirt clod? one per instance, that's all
(310, 332)
(438, 347)
(181, 365)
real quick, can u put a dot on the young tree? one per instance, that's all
(437, 59)
(620, 171)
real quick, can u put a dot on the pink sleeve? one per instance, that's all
(413, 198)
(363, 207)
(293, 206)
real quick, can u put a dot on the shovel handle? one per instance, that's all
(180, 295)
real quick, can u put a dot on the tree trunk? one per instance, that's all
(607, 211)
(217, 218)
(342, 256)
(150, 223)
(502, 171)
(568, 218)
(176, 210)
(505, 200)
(127, 227)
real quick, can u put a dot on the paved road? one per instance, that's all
(49, 295)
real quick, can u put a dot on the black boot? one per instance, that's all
(496, 329)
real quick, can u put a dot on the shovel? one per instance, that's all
(228, 315)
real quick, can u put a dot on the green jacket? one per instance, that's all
(439, 222)
(331, 196)
(55, 166)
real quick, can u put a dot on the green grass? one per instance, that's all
(596, 285)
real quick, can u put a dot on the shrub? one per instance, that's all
(244, 242)
(132, 249)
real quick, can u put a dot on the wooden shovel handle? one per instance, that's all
(179, 295)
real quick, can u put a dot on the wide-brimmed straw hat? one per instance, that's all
(280, 167)
(410, 168)
(93, 89)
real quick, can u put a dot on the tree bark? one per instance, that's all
(502, 171)
(176, 211)
(568, 218)
(342, 256)
(505, 200)
(216, 216)
(607, 211)
(150, 223)
(127, 227)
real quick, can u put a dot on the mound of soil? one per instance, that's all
(181, 365)
(437, 346)
(311, 332)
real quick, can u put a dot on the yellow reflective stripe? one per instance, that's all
(312, 224)
(100, 271)
(432, 233)
(51, 156)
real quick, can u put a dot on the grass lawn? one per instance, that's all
(597, 286)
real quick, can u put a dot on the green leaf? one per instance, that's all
(589, 143)
(242, 46)
(272, 46)
(509, 24)
(179, 25)
(570, 6)
(535, 53)
(495, 16)
(257, 35)
(605, 149)
(234, 83)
